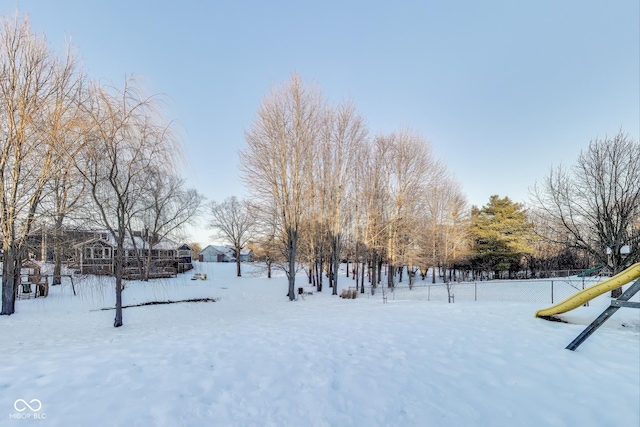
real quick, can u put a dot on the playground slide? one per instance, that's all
(591, 292)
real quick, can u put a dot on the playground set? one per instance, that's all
(33, 284)
(630, 274)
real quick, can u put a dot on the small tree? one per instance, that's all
(167, 207)
(232, 221)
(267, 244)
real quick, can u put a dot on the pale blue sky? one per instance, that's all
(502, 89)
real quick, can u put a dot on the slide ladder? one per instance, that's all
(622, 301)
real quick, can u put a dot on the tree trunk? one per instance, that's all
(291, 273)
(391, 275)
(57, 251)
(9, 283)
(374, 278)
(119, 269)
(335, 255)
(147, 267)
(317, 269)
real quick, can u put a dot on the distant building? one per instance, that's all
(213, 253)
(246, 255)
(97, 255)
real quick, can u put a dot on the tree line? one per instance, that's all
(78, 153)
(323, 190)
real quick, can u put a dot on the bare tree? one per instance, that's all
(66, 189)
(34, 85)
(596, 201)
(167, 207)
(277, 161)
(358, 202)
(446, 216)
(267, 244)
(375, 200)
(125, 138)
(452, 232)
(407, 159)
(435, 210)
(233, 222)
(343, 132)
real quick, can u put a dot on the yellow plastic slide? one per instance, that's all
(591, 292)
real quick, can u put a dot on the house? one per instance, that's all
(213, 253)
(246, 255)
(97, 256)
(184, 252)
(41, 243)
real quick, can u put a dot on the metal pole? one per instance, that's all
(615, 305)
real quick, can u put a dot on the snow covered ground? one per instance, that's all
(255, 359)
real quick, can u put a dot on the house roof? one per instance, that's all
(227, 250)
(98, 240)
(218, 249)
(164, 243)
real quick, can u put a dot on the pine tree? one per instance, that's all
(502, 235)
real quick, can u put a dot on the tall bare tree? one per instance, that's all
(277, 162)
(343, 132)
(34, 88)
(446, 216)
(66, 189)
(233, 222)
(596, 201)
(126, 137)
(407, 160)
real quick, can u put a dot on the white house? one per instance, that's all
(246, 255)
(213, 253)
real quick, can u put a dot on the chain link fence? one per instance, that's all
(541, 291)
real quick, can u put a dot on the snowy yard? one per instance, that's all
(255, 359)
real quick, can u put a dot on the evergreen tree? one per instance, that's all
(502, 235)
